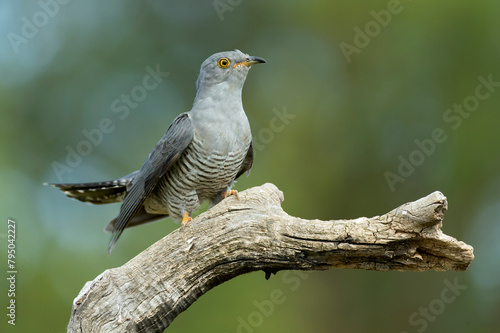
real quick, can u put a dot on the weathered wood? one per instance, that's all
(252, 233)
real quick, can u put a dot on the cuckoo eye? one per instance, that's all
(223, 62)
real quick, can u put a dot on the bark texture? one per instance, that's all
(252, 233)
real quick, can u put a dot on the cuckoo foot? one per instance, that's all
(185, 219)
(230, 193)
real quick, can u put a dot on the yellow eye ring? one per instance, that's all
(223, 63)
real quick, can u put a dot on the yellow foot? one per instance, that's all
(230, 193)
(185, 219)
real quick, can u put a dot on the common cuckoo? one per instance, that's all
(198, 158)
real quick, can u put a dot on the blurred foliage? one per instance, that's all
(352, 120)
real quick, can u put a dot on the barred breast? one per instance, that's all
(197, 176)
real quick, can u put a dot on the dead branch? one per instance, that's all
(254, 233)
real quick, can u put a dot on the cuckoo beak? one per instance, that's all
(251, 61)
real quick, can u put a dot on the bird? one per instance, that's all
(198, 158)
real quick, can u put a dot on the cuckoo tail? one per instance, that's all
(97, 192)
(142, 217)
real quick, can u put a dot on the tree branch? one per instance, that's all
(254, 233)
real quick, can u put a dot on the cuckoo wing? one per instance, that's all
(247, 162)
(166, 152)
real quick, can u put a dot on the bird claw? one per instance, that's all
(230, 193)
(185, 220)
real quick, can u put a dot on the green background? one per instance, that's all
(354, 118)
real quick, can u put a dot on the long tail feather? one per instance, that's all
(95, 193)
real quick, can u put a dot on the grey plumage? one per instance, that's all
(199, 157)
